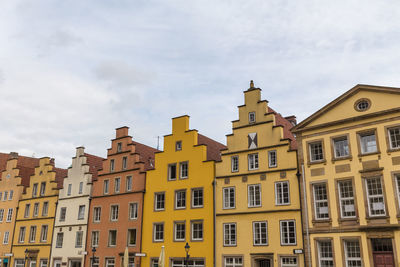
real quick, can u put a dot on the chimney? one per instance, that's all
(292, 119)
(13, 155)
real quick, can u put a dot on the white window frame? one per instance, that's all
(318, 204)
(258, 236)
(252, 197)
(1, 215)
(234, 261)
(35, 189)
(180, 197)
(177, 231)
(252, 114)
(96, 214)
(133, 210)
(110, 233)
(229, 239)
(21, 235)
(110, 262)
(285, 229)
(114, 213)
(183, 171)
(10, 196)
(157, 201)
(63, 214)
(397, 178)
(80, 191)
(341, 147)
(364, 143)
(45, 208)
(27, 210)
(106, 186)
(314, 157)
(199, 199)
(129, 182)
(112, 165)
(43, 263)
(79, 239)
(158, 231)
(124, 163)
(42, 189)
(5, 195)
(391, 141)
(235, 163)
(95, 237)
(272, 158)
(289, 264)
(178, 145)
(81, 212)
(32, 234)
(281, 195)
(345, 201)
(226, 196)
(346, 253)
(6, 237)
(253, 162)
(9, 215)
(130, 232)
(170, 178)
(69, 190)
(194, 231)
(376, 196)
(117, 185)
(35, 209)
(320, 258)
(59, 240)
(44, 233)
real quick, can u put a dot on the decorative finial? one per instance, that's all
(251, 84)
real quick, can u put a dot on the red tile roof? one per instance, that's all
(95, 164)
(146, 154)
(287, 126)
(26, 166)
(60, 175)
(213, 147)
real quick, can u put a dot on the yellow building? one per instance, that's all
(350, 152)
(14, 177)
(258, 218)
(178, 203)
(31, 245)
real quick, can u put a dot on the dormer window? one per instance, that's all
(252, 117)
(178, 146)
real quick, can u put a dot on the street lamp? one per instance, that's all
(93, 258)
(26, 257)
(187, 248)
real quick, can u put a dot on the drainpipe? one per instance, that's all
(215, 217)
(306, 213)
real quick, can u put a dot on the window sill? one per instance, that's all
(323, 161)
(342, 158)
(368, 154)
(393, 150)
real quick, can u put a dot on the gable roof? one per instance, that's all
(213, 147)
(343, 97)
(26, 166)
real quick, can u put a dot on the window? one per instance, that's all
(117, 185)
(282, 196)
(129, 183)
(288, 232)
(260, 233)
(5, 195)
(95, 238)
(154, 263)
(179, 231)
(9, 215)
(376, 203)
(272, 160)
(119, 147)
(96, 214)
(172, 171)
(11, 195)
(34, 190)
(183, 170)
(158, 232)
(63, 214)
(325, 253)
(59, 240)
(45, 209)
(229, 234)
(78, 239)
(81, 212)
(131, 237)
(32, 234)
(252, 117)
(80, 188)
(321, 206)
(112, 238)
(229, 197)
(346, 199)
(253, 161)
(106, 186)
(362, 105)
(35, 209)
(6, 237)
(21, 237)
(112, 165)
(95, 262)
(43, 233)
(394, 138)
(1, 214)
(42, 188)
(341, 147)
(178, 145)
(191, 263)
(133, 211)
(69, 189)
(110, 262)
(27, 210)
(352, 253)
(252, 140)
(114, 212)
(159, 203)
(180, 199)
(368, 143)
(124, 162)
(316, 151)
(19, 263)
(254, 195)
(197, 230)
(43, 263)
(233, 262)
(289, 262)
(131, 261)
(397, 178)
(197, 198)
(235, 163)
(1, 195)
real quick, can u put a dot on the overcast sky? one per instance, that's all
(73, 71)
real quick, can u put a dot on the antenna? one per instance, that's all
(158, 142)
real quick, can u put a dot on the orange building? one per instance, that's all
(15, 173)
(115, 215)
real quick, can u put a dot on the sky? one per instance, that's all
(72, 71)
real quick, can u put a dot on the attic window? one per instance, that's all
(178, 145)
(8, 176)
(362, 104)
(252, 117)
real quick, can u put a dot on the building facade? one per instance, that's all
(14, 177)
(70, 228)
(350, 153)
(115, 216)
(179, 203)
(31, 245)
(258, 217)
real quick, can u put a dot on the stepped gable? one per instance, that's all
(60, 175)
(146, 154)
(22, 161)
(287, 126)
(213, 147)
(95, 164)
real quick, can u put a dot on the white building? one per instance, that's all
(69, 238)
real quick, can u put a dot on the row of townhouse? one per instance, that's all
(324, 192)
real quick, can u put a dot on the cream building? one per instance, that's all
(69, 238)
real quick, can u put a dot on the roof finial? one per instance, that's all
(251, 84)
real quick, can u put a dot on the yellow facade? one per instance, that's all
(163, 199)
(252, 228)
(350, 153)
(35, 217)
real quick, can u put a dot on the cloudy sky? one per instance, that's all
(72, 71)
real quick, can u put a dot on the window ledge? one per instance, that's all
(323, 161)
(342, 158)
(368, 154)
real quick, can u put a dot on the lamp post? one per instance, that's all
(93, 258)
(187, 248)
(26, 257)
